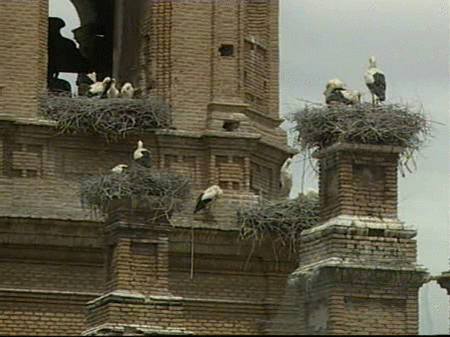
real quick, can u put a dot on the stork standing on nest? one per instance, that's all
(375, 81)
(142, 156)
(208, 197)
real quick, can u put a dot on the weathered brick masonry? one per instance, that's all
(357, 269)
(68, 272)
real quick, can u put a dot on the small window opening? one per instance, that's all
(376, 232)
(226, 50)
(230, 125)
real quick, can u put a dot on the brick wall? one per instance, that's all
(23, 27)
(358, 180)
(361, 244)
(41, 313)
(54, 251)
(227, 286)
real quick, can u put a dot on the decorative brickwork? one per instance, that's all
(357, 271)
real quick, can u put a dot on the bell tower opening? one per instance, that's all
(89, 49)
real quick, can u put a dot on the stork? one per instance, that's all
(142, 156)
(336, 92)
(375, 81)
(112, 92)
(118, 169)
(286, 177)
(97, 89)
(335, 83)
(208, 197)
(345, 96)
(127, 90)
(92, 76)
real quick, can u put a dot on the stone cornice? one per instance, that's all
(345, 224)
(340, 146)
(113, 329)
(443, 280)
(359, 272)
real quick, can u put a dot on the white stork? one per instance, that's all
(336, 92)
(375, 81)
(121, 168)
(112, 91)
(208, 197)
(142, 156)
(97, 89)
(127, 90)
(92, 76)
(335, 83)
(286, 177)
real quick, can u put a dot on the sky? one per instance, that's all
(325, 39)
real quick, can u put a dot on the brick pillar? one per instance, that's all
(23, 55)
(358, 180)
(137, 298)
(358, 272)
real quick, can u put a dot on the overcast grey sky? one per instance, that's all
(324, 39)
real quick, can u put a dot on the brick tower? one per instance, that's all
(358, 272)
(216, 63)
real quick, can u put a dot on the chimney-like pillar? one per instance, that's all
(358, 271)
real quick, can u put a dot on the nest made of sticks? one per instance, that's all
(111, 117)
(320, 126)
(163, 191)
(285, 219)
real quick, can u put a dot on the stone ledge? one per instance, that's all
(27, 121)
(358, 147)
(312, 271)
(133, 297)
(350, 263)
(443, 280)
(346, 224)
(47, 296)
(109, 329)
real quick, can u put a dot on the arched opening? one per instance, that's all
(81, 34)
(108, 34)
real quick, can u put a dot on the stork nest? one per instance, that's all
(113, 118)
(388, 124)
(162, 191)
(285, 219)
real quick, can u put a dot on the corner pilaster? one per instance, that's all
(137, 299)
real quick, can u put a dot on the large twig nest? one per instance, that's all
(320, 126)
(116, 117)
(285, 218)
(388, 124)
(163, 191)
